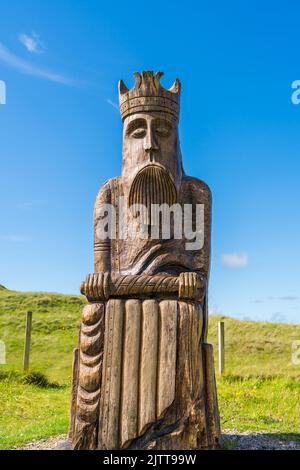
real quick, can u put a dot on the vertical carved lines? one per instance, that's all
(111, 380)
(190, 379)
(90, 357)
(139, 368)
(166, 355)
(148, 365)
(130, 377)
(152, 185)
(190, 398)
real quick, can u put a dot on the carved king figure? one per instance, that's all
(143, 373)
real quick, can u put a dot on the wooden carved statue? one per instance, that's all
(143, 373)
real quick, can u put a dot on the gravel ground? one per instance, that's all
(53, 443)
(257, 441)
(233, 440)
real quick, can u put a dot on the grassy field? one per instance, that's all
(260, 390)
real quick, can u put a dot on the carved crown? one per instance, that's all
(148, 95)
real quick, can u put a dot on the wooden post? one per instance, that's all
(74, 392)
(27, 341)
(221, 341)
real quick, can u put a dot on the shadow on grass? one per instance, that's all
(32, 378)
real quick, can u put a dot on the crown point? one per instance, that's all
(149, 95)
(122, 87)
(138, 79)
(175, 88)
(157, 78)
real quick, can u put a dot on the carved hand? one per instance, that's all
(191, 286)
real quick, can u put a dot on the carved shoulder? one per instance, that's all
(102, 247)
(104, 193)
(194, 190)
(197, 188)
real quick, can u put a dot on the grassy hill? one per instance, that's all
(259, 391)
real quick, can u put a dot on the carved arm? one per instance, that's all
(102, 286)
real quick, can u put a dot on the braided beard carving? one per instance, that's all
(152, 185)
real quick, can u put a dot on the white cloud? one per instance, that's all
(22, 66)
(32, 43)
(235, 260)
(114, 105)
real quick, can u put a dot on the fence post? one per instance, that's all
(221, 341)
(2, 353)
(27, 341)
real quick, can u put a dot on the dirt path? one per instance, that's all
(232, 440)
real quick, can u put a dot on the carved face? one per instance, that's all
(150, 138)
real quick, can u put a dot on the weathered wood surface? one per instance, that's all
(139, 368)
(27, 341)
(167, 355)
(145, 375)
(157, 386)
(130, 372)
(75, 370)
(112, 370)
(148, 365)
(190, 286)
(91, 344)
(184, 423)
(212, 409)
(221, 346)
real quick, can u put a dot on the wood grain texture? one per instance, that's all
(212, 409)
(75, 369)
(188, 423)
(148, 365)
(91, 344)
(184, 424)
(130, 372)
(166, 355)
(190, 403)
(189, 286)
(111, 379)
(27, 341)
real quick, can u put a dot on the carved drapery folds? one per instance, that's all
(87, 371)
(145, 379)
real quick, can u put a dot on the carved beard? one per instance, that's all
(152, 185)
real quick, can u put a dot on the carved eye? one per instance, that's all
(163, 131)
(139, 133)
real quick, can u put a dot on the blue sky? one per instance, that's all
(60, 136)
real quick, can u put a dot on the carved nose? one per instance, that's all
(150, 145)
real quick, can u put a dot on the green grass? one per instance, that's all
(257, 348)
(30, 412)
(55, 326)
(260, 404)
(259, 391)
